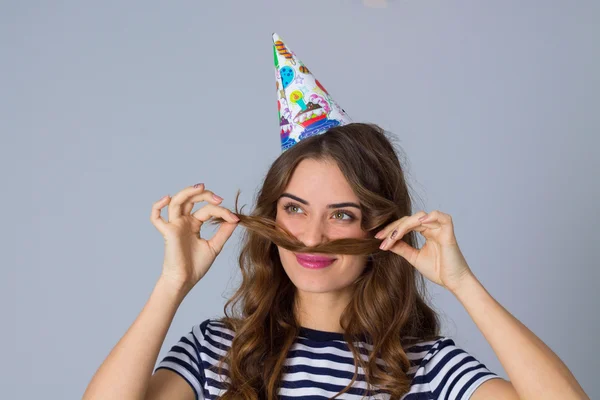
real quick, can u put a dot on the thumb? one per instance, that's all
(220, 237)
(405, 250)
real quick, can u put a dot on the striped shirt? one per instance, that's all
(320, 364)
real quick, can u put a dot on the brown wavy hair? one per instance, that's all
(387, 309)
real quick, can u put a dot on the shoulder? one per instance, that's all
(218, 327)
(438, 352)
(196, 351)
(216, 333)
(209, 336)
(447, 370)
(210, 328)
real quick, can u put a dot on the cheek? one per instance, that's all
(280, 220)
(288, 223)
(356, 263)
(353, 231)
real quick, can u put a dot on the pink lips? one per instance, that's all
(314, 261)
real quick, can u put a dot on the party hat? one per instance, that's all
(305, 108)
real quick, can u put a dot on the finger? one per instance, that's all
(187, 206)
(191, 194)
(220, 237)
(211, 210)
(155, 217)
(439, 216)
(388, 228)
(405, 250)
(206, 195)
(385, 232)
(403, 227)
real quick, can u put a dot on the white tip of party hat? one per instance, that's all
(305, 108)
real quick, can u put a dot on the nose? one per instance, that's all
(313, 233)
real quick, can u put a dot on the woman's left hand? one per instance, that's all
(439, 260)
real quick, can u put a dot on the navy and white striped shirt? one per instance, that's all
(320, 364)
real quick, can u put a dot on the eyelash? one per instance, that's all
(349, 214)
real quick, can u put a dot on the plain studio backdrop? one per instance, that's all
(107, 107)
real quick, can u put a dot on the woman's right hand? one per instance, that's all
(188, 256)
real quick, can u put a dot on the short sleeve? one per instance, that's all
(184, 359)
(452, 372)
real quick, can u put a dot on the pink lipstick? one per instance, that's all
(314, 261)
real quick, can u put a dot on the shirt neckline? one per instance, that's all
(325, 336)
(320, 336)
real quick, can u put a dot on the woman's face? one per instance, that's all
(311, 210)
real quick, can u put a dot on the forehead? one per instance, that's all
(320, 182)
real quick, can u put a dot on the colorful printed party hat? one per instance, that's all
(305, 108)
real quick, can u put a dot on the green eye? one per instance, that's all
(350, 216)
(290, 208)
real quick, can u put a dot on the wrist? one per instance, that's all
(174, 289)
(465, 284)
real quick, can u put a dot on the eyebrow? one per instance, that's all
(338, 205)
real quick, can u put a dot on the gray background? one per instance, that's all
(106, 107)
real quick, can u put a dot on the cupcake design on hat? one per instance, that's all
(305, 108)
(313, 115)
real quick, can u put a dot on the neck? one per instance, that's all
(321, 311)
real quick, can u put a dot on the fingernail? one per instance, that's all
(384, 244)
(218, 198)
(164, 197)
(235, 217)
(197, 185)
(423, 218)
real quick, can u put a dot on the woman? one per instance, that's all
(331, 301)
(300, 329)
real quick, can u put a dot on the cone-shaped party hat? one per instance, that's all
(305, 108)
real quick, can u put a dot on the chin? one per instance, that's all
(315, 287)
(307, 281)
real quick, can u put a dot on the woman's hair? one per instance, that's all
(387, 310)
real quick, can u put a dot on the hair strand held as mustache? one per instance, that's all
(269, 229)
